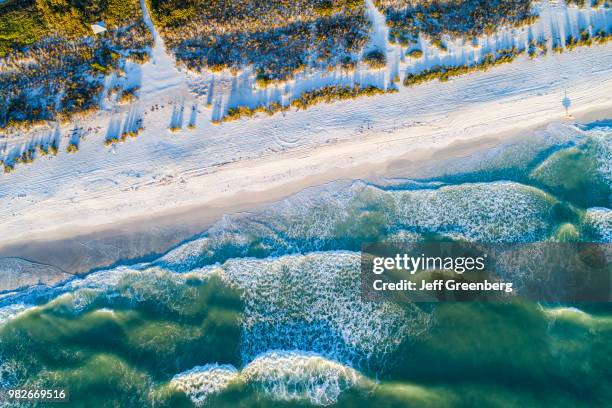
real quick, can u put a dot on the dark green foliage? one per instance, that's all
(278, 38)
(407, 19)
(375, 59)
(56, 38)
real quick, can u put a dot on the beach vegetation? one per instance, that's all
(587, 3)
(26, 157)
(54, 37)
(543, 46)
(415, 53)
(139, 56)
(348, 64)
(128, 96)
(437, 42)
(532, 49)
(445, 73)
(8, 167)
(325, 8)
(327, 94)
(262, 79)
(457, 18)
(72, 147)
(53, 148)
(601, 37)
(276, 38)
(123, 136)
(537, 48)
(375, 59)
(585, 39)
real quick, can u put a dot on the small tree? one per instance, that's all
(375, 59)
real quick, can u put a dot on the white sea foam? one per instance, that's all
(280, 375)
(577, 316)
(202, 381)
(306, 302)
(336, 218)
(313, 302)
(11, 311)
(300, 376)
(485, 212)
(599, 222)
(603, 151)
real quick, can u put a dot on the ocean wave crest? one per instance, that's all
(279, 375)
(201, 382)
(343, 218)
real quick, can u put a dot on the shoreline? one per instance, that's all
(177, 225)
(82, 250)
(106, 206)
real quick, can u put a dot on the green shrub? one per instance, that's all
(262, 79)
(327, 94)
(8, 168)
(437, 42)
(128, 96)
(72, 147)
(100, 68)
(55, 37)
(277, 38)
(139, 57)
(601, 37)
(375, 59)
(457, 18)
(20, 25)
(445, 73)
(53, 148)
(415, 53)
(325, 8)
(532, 50)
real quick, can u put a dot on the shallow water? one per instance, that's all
(265, 309)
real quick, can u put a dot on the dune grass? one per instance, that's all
(445, 73)
(327, 94)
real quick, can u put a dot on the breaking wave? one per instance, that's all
(313, 302)
(279, 375)
(202, 381)
(336, 220)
